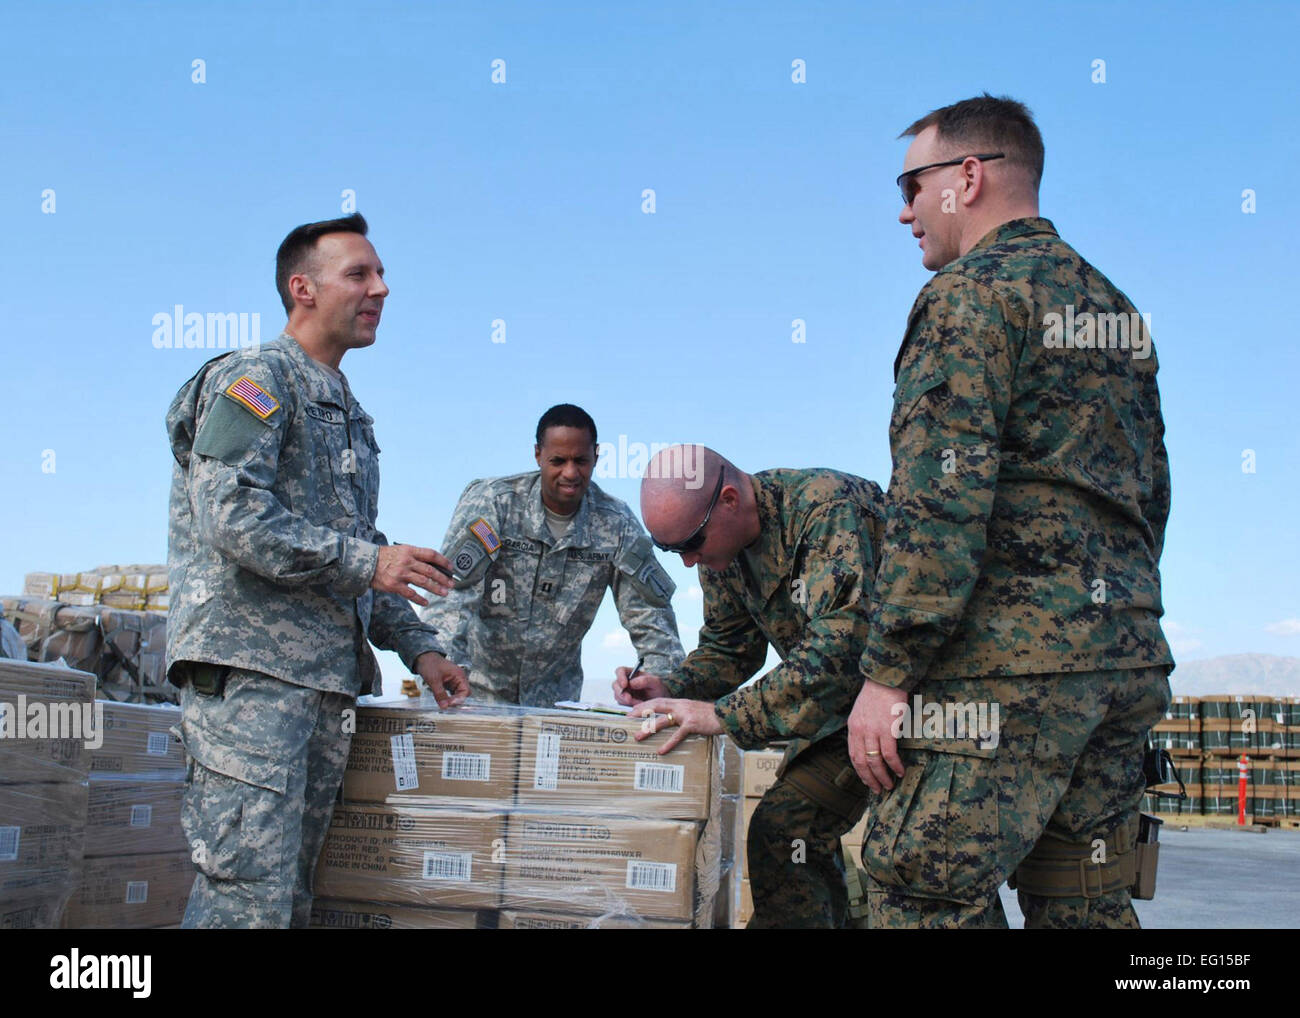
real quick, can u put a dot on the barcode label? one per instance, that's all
(546, 775)
(159, 743)
(452, 866)
(141, 816)
(9, 843)
(466, 766)
(404, 763)
(137, 892)
(652, 777)
(651, 876)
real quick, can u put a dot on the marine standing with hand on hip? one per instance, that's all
(280, 582)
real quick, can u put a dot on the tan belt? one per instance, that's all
(1064, 869)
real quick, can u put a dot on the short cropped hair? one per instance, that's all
(297, 248)
(988, 124)
(566, 415)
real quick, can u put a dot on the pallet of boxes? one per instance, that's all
(519, 818)
(45, 710)
(1208, 736)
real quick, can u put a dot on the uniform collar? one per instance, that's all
(1014, 228)
(577, 536)
(766, 557)
(316, 381)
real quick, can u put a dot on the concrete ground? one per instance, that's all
(1213, 879)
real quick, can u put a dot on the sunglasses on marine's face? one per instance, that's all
(906, 180)
(697, 538)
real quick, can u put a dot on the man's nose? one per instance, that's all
(689, 560)
(906, 216)
(381, 290)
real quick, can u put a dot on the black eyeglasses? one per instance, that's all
(907, 180)
(696, 539)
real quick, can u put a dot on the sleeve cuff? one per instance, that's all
(744, 719)
(412, 645)
(356, 567)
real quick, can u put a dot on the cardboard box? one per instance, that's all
(585, 763)
(38, 701)
(732, 766)
(39, 912)
(760, 767)
(138, 741)
(331, 914)
(512, 919)
(42, 827)
(134, 817)
(413, 855)
(600, 864)
(410, 751)
(132, 892)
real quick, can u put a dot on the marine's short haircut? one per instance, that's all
(297, 248)
(566, 415)
(988, 124)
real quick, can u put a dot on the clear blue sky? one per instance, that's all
(522, 201)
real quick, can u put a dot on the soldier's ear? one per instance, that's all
(537, 453)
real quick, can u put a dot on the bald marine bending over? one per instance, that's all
(787, 559)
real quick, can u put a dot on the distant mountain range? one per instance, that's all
(1267, 674)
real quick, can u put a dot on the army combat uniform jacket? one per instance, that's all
(272, 542)
(1030, 484)
(803, 587)
(525, 600)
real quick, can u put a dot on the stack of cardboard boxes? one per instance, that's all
(137, 872)
(135, 587)
(519, 818)
(1206, 737)
(44, 763)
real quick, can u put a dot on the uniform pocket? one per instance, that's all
(909, 394)
(935, 835)
(233, 835)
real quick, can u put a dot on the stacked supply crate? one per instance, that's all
(46, 723)
(520, 818)
(138, 870)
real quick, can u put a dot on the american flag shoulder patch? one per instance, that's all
(487, 537)
(253, 396)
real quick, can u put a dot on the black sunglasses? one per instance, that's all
(696, 539)
(907, 180)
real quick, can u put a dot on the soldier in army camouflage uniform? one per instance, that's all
(788, 558)
(534, 554)
(1028, 502)
(280, 581)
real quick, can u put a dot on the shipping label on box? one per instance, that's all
(332, 914)
(601, 865)
(414, 855)
(134, 817)
(409, 751)
(132, 892)
(138, 740)
(48, 722)
(581, 762)
(42, 828)
(760, 767)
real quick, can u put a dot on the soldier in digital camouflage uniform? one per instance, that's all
(1028, 502)
(534, 554)
(279, 582)
(788, 558)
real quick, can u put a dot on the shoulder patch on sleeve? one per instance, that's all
(253, 397)
(487, 537)
(229, 432)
